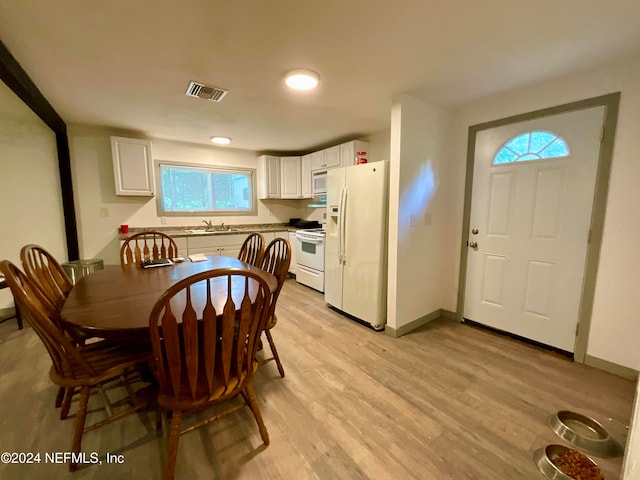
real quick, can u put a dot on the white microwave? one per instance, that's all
(319, 183)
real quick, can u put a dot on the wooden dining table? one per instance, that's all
(116, 302)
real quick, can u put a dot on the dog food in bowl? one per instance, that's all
(577, 466)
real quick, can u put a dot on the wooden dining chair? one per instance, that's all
(16, 314)
(203, 356)
(49, 277)
(275, 260)
(75, 366)
(45, 271)
(252, 249)
(149, 245)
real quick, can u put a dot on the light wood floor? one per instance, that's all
(448, 401)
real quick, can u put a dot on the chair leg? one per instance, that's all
(19, 318)
(274, 351)
(66, 403)
(105, 400)
(59, 397)
(250, 398)
(172, 445)
(159, 420)
(78, 427)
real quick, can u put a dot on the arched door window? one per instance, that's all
(536, 145)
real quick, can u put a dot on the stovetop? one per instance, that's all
(305, 224)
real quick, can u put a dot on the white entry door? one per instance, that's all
(532, 197)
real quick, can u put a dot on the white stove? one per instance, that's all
(310, 257)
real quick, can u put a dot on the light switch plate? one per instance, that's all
(104, 212)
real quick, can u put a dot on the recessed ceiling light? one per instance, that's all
(302, 79)
(221, 140)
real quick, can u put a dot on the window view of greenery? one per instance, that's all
(198, 189)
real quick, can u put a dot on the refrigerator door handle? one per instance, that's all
(340, 210)
(343, 230)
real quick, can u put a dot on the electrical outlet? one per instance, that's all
(427, 219)
(270, 212)
(104, 212)
(163, 220)
(413, 220)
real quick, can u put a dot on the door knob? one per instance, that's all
(473, 244)
(474, 231)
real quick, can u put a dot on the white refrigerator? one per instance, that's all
(356, 242)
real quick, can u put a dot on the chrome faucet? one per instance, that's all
(209, 224)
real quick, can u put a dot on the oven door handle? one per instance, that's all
(306, 238)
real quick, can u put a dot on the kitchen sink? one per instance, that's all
(211, 232)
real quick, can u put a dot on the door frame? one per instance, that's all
(611, 103)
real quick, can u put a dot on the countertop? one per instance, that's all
(229, 230)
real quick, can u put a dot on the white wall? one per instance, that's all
(615, 329)
(631, 466)
(418, 210)
(379, 146)
(95, 191)
(30, 193)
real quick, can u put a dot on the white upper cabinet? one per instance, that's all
(284, 177)
(332, 157)
(268, 177)
(325, 159)
(342, 155)
(132, 166)
(349, 152)
(290, 176)
(317, 160)
(305, 176)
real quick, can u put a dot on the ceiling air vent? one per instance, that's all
(206, 92)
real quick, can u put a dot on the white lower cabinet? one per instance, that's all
(229, 245)
(181, 243)
(223, 245)
(269, 236)
(294, 261)
(283, 234)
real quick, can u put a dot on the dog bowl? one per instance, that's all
(585, 434)
(550, 459)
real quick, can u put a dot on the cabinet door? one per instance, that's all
(332, 157)
(347, 154)
(305, 177)
(216, 244)
(317, 161)
(132, 167)
(230, 251)
(294, 262)
(205, 250)
(269, 177)
(290, 177)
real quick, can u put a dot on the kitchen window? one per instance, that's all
(187, 189)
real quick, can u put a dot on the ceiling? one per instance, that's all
(126, 64)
